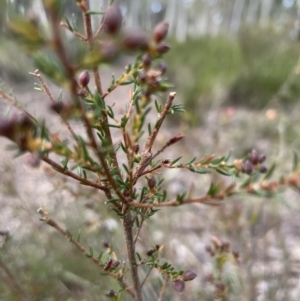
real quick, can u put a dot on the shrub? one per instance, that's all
(126, 171)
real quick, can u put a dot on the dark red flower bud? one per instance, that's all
(263, 169)
(151, 182)
(108, 265)
(111, 293)
(113, 20)
(247, 167)
(115, 263)
(179, 285)
(136, 148)
(150, 252)
(160, 31)
(84, 78)
(135, 40)
(162, 48)
(188, 275)
(162, 67)
(146, 60)
(57, 107)
(166, 161)
(254, 157)
(105, 244)
(6, 128)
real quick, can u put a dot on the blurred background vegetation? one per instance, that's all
(234, 64)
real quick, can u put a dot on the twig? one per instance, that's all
(82, 249)
(98, 31)
(138, 230)
(48, 92)
(15, 104)
(164, 113)
(70, 174)
(76, 33)
(12, 282)
(146, 276)
(146, 155)
(163, 289)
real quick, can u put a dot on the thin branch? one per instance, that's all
(76, 33)
(70, 174)
(48, 92)
(82, 249)
(98, 31)
(164, 113)
(173, 140)
(146, 276)
(138, 230)
(12, 282)
(146, 155)
(163, 289)
(15, 104)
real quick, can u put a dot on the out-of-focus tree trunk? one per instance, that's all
(236, 17)
(171, 11)
(181, 26)
(252, 11)
(265, 11)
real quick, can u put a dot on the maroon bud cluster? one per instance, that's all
(113, 20)
(152, 251)
(135, 40)
(254, 162)
(84, 78)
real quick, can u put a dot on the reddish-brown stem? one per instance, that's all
(70, 174)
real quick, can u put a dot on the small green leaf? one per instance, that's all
(93, 12)
(295, 161)
(176, 160)
(213, 189)
(223, 172)
(270, 172)
(78, 235)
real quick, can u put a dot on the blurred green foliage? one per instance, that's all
(249, 70)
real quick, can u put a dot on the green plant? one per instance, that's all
(128, 170)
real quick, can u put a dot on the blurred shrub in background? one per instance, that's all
(248, 70)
